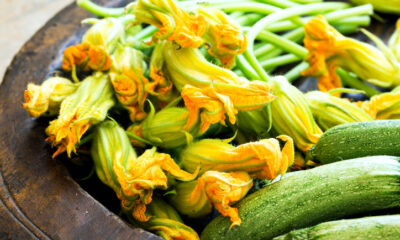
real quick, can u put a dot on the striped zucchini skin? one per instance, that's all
(381, 227)
(354, 140)
(313, 196)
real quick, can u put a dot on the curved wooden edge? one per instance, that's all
(38, 198)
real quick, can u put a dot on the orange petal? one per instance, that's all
(224, 189)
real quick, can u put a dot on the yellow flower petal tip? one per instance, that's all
(87, 57)
(383, 106)
(223, 36)
(213, 188)
(330, 111)
(224, 189)
(263, 159)
(45, 99)
(207, 104)
(211, 104)
(291, 114)
(328, 50)
(173, 23)
(79, 111)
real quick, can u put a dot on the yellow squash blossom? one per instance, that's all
(263, 159)
(173, 22)
(291, 114)
(213, 188)
(87, 106)
(330, 111)
(87, 57)
(207, 105)
(128, 80)
(106, 32)
(166, 222)
(166, 128)
(189, 66)
(384, 105)
(97, 44)
(385, 6)
(254, 124)
(45, 99)
(160, 86)
(223, 36)
(210, 106)
(394, 41)
(132, 178)
(328, 50)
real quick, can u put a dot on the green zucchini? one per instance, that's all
(354, 140)
(325, 193)
(381, 227)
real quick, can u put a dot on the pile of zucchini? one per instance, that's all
(309, 203)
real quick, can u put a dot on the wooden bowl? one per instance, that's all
(38, 198)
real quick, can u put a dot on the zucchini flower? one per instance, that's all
(330, 111)
(385, 6)
(167, 128)
(173, 23)
(223, 36)
(254, 124)
(87, 106)
(213, 188)
(160, 86)
(188, 66)
(45, 99)
(384, 105)
(87, 57)
(97, 44)
(166, 222)
(128, 80)
(132, 178)
(263, 159)
(394, 41)
(211, 106)
(328, 50)
(291, 114)
(106, 32)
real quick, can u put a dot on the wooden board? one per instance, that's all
(38, 198)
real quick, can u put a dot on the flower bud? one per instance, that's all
(87, 106)
(213, 188)
(223, 36)
(330, 111)
(384, 105)
(106, 32)
(132, 178)
(45, 99)
(173, 23)
(263, 159)
(328, 50)
(86, 56)
(394, 41)
(254, 124)
(160, 86)
(166, 222)
(167, 128)
(127, 77)
(291, 114)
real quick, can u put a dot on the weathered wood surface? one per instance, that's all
(38, 198)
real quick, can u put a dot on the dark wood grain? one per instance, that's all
(38, 198)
